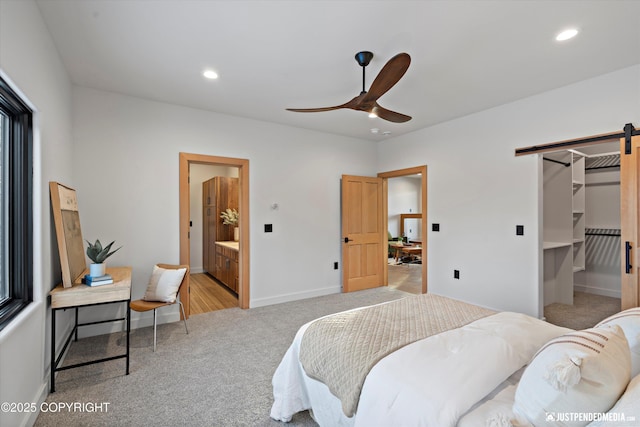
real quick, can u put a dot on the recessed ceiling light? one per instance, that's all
(567, 34)
(210, 74)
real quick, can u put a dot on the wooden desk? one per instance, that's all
(80, 295)
(408, 249)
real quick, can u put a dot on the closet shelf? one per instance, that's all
(578, 212)
(577, 241)
(554, 245)
(577, 268)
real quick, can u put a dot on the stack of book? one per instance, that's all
(97, 280)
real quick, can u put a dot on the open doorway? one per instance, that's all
(405, 215)
(214, 244)
(581, 234)
(404, 228)
(232, 166)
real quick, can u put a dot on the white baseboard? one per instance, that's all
(40, 397)
(597, 291)
(294, 296)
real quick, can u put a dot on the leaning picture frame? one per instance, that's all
(64, 204)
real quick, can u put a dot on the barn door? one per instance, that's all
(363, 233)
(629, 187)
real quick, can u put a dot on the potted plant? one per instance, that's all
(98, 255)
(231, 217)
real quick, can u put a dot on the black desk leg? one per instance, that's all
(76, 337)
(128, 331)
(53, 351)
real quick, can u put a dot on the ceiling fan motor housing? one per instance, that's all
(364, 58)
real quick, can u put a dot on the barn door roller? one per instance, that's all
(629, 131)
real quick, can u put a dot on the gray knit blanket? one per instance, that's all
(341, 349)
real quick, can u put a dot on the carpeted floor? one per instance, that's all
(218, 375)
(586, 311)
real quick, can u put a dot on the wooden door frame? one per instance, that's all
(422, 170)
(186, 159)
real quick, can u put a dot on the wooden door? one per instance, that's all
(629, 188)
(363, 232)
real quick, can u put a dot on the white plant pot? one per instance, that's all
(96, 270)
(236, 234)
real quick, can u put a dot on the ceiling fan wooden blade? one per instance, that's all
(391, 116)
(390, 74)
(315, 110)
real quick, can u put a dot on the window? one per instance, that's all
(16, 206)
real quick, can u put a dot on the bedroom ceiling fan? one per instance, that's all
(390, 74)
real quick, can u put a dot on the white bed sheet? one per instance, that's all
(431, 382)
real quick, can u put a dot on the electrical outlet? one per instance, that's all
(456, 274)
(435, 227)
(268, 228)
(335, 265)
(519, 230)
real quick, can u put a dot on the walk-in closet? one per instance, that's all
(581, 223)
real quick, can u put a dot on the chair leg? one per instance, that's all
(154, 329)
(184, 318)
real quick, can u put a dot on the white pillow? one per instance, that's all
(582, 372)
(163, 285)
(629, 321)
(628, 407)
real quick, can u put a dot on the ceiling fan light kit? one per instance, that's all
(390, 74)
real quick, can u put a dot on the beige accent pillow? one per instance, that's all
(629, 321)
(164, 284)
(580, 372)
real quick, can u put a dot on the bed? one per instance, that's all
(466, 366)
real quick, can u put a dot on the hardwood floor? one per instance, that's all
(208, 295)
(406, 277)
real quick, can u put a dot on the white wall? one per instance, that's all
(198, 174)
(602, 210)
(404, 196)
(479, 191)
(134, 199)
(29, 58)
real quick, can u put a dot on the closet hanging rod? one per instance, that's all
(601, 167)
(565, 164)
(610, 232)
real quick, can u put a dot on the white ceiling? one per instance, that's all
(467, 56)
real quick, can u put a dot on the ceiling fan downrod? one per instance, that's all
(363, 59)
